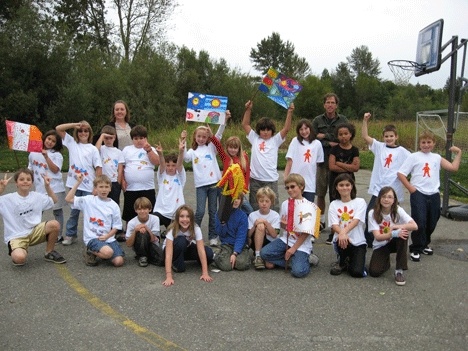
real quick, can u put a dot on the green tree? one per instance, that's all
(361, 62)
(343, 84)
(273, 52)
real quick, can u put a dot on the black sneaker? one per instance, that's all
(322, 226)
(329, 241)
(415, 257)
(143, 261)
(55, 257)
(428, 251)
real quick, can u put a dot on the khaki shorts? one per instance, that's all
(322, 181)
(36, 236)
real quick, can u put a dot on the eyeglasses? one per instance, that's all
(287, 187)
(83, 130)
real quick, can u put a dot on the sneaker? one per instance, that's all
(313, 260)
(415, 257)
(329, 241)
(90, 258)
(322, 226)
(399, 279)
(68, 240)
(120, 237)
(214, 242)
(428, 251)
(336, 269)
(258, 263)
(143, 261)
(59, 239)
(55, 257)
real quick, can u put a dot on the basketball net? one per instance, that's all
(403, 70)
(433, 123)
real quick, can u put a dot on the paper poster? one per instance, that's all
(206, 108)
(23, 137)
(279, 88)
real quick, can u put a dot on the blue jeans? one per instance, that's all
(72, 223)
(187, 251)
(96, 245)
(425, 210)
(274, 253)
(211, 193)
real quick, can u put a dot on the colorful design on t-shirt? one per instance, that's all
(262, 146)
(388, 161)
(208, 157)
(40, 165)
(384, 227)
(142, 164)
(78, 170)
(426, 170)
(96, 221)
(196, 160)
(141, 154)
(345, 215)
(305, 217)
(307, 156)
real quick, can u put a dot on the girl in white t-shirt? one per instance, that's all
(391, 226)
(84, 159)
(49, 163)
(347, 215)
(264, 157)
(184, 242)
(303, 154)
(206, 174)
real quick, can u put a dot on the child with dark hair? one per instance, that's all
(49, 163)
(344, 158)
(346, 216)
(264, 157)
(143, 233)
(304, 153)
(138, 176)
(171, 179)
(388, 158)
(390, 225)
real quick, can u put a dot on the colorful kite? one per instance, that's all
(23, 137)
(206, 108)
(279, 88)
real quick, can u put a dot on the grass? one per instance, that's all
(9, 160)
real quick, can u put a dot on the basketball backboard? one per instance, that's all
(428, 55)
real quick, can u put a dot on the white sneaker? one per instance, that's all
(313, 260)
(214, 242)
(68, 240)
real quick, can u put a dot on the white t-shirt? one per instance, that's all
(264, 158)
(38, 164)
(83, 159)
(304, 160)
(111, 158)
(425, 171)
(139, 171)
(306, 245)
(22, 214)
(387, 162)
(272, 217)
(170, 192)
(386, 225)
(205, 166)
(152, 223)
(198, 236)
(342, 213)
(99, 216)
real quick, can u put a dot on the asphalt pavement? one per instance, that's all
(45, 306)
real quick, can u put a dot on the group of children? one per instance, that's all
(278, 236)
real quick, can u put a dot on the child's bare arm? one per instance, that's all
(180, 157)
(246, 118)
(71, 194)
(287, 123)
(152, 156)
(365, 130)
(49, 190)
(455, 164)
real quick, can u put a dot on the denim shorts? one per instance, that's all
(96, 245)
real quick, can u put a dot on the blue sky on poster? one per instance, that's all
(324, 33)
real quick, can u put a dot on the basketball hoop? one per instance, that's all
(403, 70)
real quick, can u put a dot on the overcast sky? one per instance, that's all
(323, 32)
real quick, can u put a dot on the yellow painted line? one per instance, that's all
(142, 332)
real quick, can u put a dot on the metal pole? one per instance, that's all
(450, 120)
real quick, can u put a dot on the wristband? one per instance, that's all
(395, 233)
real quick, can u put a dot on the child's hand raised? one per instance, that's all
(248, 105)
(159, 148)
(367, 116)
(183, 135)
(79, 177)
(46, 178)
(455, 149)
(5, 180)
(228, 115)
